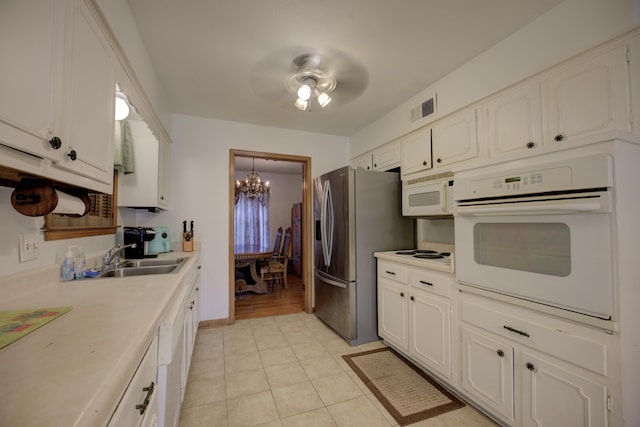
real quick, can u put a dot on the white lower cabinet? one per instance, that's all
(487, 371)
(430, 331)
(139, 404)
(393, 313)
(529, 370)
(412, 317)
(177, 338)
(552, 395)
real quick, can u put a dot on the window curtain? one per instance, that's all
(251, 222)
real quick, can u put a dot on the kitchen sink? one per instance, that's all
(138, 271)
(144, 267)
(151, 262)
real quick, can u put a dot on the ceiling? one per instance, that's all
(229, 59)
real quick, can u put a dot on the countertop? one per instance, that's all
(73, 370)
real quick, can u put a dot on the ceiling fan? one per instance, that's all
(309, 81)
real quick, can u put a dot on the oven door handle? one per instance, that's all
(538, 209)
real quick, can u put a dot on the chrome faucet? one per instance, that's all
(114, 254)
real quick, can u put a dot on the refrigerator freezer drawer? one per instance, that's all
(335, 305)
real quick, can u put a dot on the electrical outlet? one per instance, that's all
(28, 246)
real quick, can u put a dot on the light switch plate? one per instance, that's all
(28, 246)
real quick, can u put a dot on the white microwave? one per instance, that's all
(427, 199)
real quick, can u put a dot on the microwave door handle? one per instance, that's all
(443, 196)
(553, 208)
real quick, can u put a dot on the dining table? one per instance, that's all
(246, 258)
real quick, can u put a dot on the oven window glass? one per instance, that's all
(543, 248)
(431, 198)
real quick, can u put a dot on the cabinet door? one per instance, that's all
(392, 312)
(363, 161)
(455, 138)
(88, 109)
(430, 331)
(387, 157)
(589, 96)
(514, 121)
(487, 371)
(416, 152)
(553, 396)
(164, 174)
(31, 37)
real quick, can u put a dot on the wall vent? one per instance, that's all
(426, 109)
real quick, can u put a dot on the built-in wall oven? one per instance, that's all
(541, 233)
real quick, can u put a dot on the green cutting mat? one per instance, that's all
(18, 323)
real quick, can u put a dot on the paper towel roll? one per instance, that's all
(71, 205)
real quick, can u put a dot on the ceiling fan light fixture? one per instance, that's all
(301, 104)
(309, 81)
(323, 99)
(304, 92)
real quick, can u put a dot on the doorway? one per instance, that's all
(305, 223)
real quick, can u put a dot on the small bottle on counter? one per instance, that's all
(79, 263)
(68, 266)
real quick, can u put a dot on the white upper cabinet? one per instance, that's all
(588, 95)
(89, 88)
(58, 94)
(148, 187)
(31, 41)
(416, 152)
(387, 157)
(455, 138)
(513, 121)
(363, 161)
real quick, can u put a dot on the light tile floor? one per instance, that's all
(286, 371)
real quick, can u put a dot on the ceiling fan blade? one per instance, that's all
(269, 75)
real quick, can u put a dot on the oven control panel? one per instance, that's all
(588, 172)
(537, 181)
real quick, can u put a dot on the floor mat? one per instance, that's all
(406, 392)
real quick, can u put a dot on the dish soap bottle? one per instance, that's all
(68, 266)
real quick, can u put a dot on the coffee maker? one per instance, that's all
(141, 236)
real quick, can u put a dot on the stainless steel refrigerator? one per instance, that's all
(357, 213)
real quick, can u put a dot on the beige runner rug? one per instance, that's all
(404, 390)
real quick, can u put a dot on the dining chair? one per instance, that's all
(276, 270)
(277, 242)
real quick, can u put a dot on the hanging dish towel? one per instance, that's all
(123, 152)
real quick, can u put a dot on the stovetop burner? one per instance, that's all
(430, 256)
(439, 257)
(424, 253)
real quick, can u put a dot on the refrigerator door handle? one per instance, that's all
(329, 281)
(326, 218)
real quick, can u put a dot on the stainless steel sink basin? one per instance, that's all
(138, 271)
(143, 267)
(151, 262)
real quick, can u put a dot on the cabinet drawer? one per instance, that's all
(142, 391)
(392, 271)
(555, 337)
(429, 281)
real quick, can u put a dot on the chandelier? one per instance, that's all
(309, 81)
(253, 187)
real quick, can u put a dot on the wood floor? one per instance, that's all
(278, 301)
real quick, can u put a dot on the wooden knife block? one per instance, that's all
(187, 243)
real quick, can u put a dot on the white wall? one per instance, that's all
(200, 187)
(12, 224)
(570, 28)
